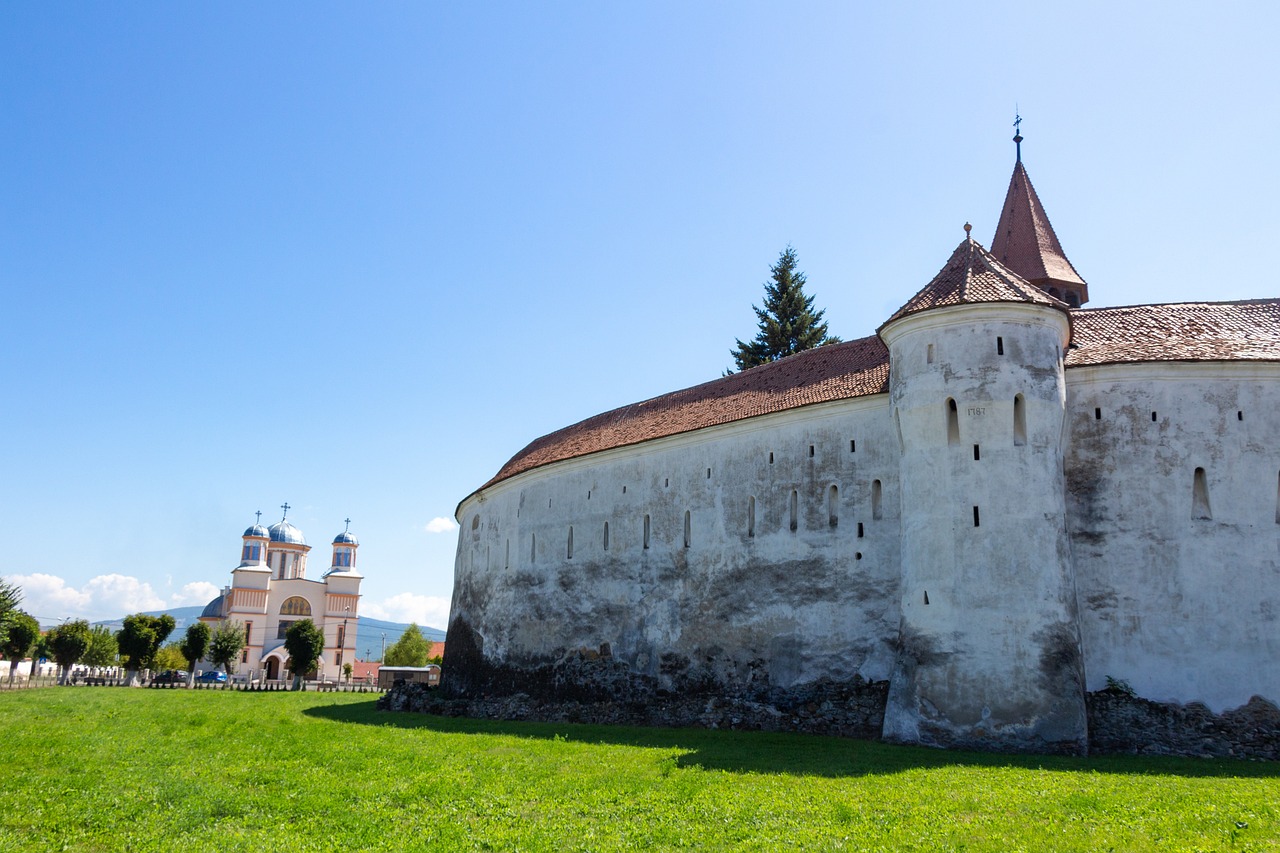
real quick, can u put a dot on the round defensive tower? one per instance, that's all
(989, 648)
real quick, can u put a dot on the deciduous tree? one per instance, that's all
(788, 323)
(194, 645)
(304, 642)
(410, 650)
(225, 646)
(68, 642)
(140, 639)
(24, 630)
(103, 649)
(170, 656)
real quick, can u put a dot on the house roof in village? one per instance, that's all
(1192, 331)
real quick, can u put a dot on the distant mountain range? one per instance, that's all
(370, 633)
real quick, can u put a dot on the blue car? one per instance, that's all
(212, 676)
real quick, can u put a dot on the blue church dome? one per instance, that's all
(214, 608)
(257, 530)
(283, 531)
(345, 538)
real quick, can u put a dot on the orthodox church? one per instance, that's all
(270, 591)
(999, 503)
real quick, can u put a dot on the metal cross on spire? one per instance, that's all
(257, 517)
(284, 506)
(348, 525)
(1017, 131)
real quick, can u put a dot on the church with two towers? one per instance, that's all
(270, 590)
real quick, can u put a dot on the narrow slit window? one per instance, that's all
(624, 490)
(1153, 417)
(976, 521)
(1019, 421)
(751, 516)
(533, 547)
(1200, 497)
(811, 451)
(877, 511)
(977, 454)
(666, 483)
(688, 530)
(999, 346)
(926, 597)
(770, 457)
(929, 354)
(795, 510)
(1097, 414)
(606, 536)
(708, 473)
(860, 530)
(647, 527)
(1240, 415)
(588, 494)
(506, 564)
(853, 446)
(833, 505)
(569, 547)
(953, 422)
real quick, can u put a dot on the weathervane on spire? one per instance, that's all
(284, 506)
(1017, 131)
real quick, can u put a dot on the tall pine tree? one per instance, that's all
(788, 322)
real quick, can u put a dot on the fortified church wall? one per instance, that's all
(975, 518)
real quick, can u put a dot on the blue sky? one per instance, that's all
(354, 258)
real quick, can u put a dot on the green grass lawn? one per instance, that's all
(176, 770)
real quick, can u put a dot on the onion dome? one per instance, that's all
(213, 609)
(257, 530)
(345, 538)
(283, 531)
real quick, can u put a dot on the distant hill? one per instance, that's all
(370, 633)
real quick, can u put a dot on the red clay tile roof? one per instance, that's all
(834, 372)
(971, 274)
(1024, 239)
(1194, 331)
(1184, 331)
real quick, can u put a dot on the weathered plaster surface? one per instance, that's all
(1088, 561)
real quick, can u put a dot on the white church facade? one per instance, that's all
(995, 504)
(270, 590)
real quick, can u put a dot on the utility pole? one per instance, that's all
(384, 648)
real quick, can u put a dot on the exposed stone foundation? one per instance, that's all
(1121, 723)
(585, 687)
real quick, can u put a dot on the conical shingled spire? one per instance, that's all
(1025, 243)
(972, 275)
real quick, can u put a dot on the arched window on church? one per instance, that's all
(295, 606)
(953, 423)
(1200, 496)
(833, 505)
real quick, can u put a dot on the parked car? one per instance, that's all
(212, 676)
(171, 676)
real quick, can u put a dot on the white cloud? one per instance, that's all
(441, 524)
(50, 598)
(200, 592)
(426, 610)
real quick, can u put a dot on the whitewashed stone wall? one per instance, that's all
(743, 601)
(1181, 607)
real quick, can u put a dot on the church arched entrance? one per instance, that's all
(273, 669)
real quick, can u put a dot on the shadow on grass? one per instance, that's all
(796, 754)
